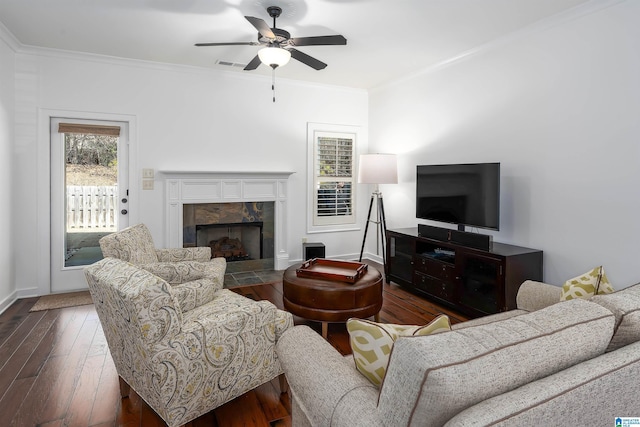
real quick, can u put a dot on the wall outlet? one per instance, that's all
(304, 240)
(147, 173)
(147, 184)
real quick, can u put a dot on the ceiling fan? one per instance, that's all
(279, 46)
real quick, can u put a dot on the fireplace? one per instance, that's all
(237, 231)
(232, 199)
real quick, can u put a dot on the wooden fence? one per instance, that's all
(91, 208)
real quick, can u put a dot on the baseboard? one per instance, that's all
(16, 295)
(28, 293)
(372, 257)
(6, 303)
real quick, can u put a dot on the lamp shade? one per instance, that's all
(274, 56)
(378, 169)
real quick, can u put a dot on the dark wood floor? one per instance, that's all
(56, 370)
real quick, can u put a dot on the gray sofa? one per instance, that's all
(547, 363)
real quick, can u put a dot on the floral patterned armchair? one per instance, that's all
(191, 271)
(183, 361)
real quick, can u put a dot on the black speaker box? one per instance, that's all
(431, 232)
(312, 250)
(472, 240)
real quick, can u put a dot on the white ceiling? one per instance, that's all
(386, 39)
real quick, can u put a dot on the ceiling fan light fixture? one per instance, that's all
(274, 56)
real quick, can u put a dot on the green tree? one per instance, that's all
(88, 149)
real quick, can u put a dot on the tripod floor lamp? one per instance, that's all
(377, 169)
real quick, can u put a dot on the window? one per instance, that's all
(332, 196)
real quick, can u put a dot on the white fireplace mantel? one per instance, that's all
(187, 187)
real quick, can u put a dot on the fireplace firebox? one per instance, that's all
(237, 231)
(235, 241)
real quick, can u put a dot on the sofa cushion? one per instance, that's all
(430, 379)
(586, 285)
(568, 394)
(371, 342)
(625, 306)
(492, 318)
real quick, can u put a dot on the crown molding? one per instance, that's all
(8, 37)
(163, 66)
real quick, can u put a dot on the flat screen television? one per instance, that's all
(463, 194)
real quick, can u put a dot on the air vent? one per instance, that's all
(230, 64)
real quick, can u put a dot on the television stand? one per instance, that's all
(472, 281)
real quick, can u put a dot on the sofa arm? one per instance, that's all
(326, 387)
(202, 254)
(534, 295)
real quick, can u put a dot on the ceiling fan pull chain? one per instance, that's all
(273, 83)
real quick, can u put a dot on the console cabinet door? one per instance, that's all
(481, 283)
(400, 252)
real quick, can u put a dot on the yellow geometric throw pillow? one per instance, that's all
(372, 342)
(591, 283)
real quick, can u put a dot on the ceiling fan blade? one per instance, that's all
(318, 41)
(228, 44)
(261, 26)
(255, 62)
(306, 59)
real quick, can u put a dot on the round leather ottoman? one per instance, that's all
(332, 301)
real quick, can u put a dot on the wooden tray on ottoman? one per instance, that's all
(327, 269)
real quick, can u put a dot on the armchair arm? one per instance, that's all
(533, 295)
(202, 254)
(326, 387)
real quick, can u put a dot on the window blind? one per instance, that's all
(334, 177)
(89, 129)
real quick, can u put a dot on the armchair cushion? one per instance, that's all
(176, 272)
(194, 294)
(201, 254)
(193, 283)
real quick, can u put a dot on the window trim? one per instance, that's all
(348, 222)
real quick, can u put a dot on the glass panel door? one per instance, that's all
(89, 195)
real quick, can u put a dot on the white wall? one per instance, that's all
(558, 106)
(7, 70)
(186, 119)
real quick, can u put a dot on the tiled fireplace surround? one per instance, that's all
(186, 188)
